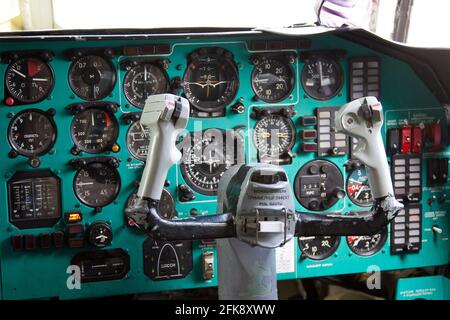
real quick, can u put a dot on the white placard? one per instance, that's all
(285, 257)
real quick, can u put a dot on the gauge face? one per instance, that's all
(138, 140)
(272, 80)
(142, 81)
(205, 161)
(366, 245)
(94, 130)
(97, 184)
(29, 80)
(92, 77)
(321, 78)
(274, 135)
(211, 82)
(358, 188)
(166, 204)
(32, 133)
(318, 248)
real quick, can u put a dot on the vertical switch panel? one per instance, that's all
(407, 177)
(364, 77)
(406, 230)
(329, 142)
(437, 171)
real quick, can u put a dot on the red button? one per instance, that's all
(9, 101)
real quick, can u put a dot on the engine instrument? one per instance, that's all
(29, 79)
(318, 248)
(34, 199)
(138, 140)
(32, 132)
(143, 80)
(96, 184)
(322, 77)
(94, 130)
(272, 79)
(92, 77)
(358, 188)
(367, 245)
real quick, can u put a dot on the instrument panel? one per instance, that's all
(73, 151)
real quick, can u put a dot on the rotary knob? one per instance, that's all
(100, 234)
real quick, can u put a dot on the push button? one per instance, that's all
(58, 239)
(30, 242)
(45, 240)
(17, 243)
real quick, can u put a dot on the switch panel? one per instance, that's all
(364, 77)
(407, 177)
(406, 230)
(437, 171)
(329, 142)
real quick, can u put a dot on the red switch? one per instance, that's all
(406, 139)
(417, 140)
(433, 137)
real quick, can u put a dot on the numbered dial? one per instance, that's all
(94, 130)
(274, 135)
(32, 133)
(29, 80)
(205, 162)
(92, 77)
(321, 78)
(318, 248)
(358, 188)
(142, 81)
(366, 245)
(211, 82)
(272, 80)
(97, 184)
(138, 140)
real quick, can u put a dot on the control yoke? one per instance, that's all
(259, 224)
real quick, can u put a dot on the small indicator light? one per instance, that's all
(9, 101)
(115, 148)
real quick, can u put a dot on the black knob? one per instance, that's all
(338, 193)
(100, 234)
(314, 169)
(185, 194)
(313, 205)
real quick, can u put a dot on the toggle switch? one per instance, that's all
(208, 265)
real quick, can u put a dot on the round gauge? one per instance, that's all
(94, 130)
(92, 77)
(367, 245)
(211, 82)
(144, 80)
(166, 204)
(138, 140)
(272, 80)
(32, 133)
(29, 80)
(274, 135)
(322, 77)
(358, 188)
(319, 247)
(100, 234)
(205, 162)
(96, 184)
